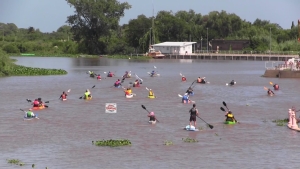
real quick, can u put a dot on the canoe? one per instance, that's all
(229, 122)
(152, 122)
(89, 98)
(38, 108)
(129, 96)
(118, 86)
(191, 128)
(151, 97)
(290, 127)
(30, 118)
(63, 99)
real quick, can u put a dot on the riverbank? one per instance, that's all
(138, 57)
(53, 55)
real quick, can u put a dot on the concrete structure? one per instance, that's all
(221, 44)
(179, 48)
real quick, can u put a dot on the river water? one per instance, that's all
(62, 137)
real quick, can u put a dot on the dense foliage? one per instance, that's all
(94, 29)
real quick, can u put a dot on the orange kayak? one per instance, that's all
(38, 108)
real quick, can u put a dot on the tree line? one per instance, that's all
(94, 29)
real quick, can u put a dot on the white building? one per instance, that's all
(180, 48)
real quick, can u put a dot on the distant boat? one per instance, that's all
(154, 54)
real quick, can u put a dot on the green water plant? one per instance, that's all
(18, 70)
(168, 143)
(189, 140)
(15, 161)
(112, 143)
(281, 122)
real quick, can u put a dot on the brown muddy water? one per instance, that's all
(62, 137)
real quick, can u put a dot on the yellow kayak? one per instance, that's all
(89, 98)
(151, 97)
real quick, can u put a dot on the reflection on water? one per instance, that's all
(62, 137)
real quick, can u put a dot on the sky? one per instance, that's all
(49, 15)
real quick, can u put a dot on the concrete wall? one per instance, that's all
(174, 49)
(282, 74)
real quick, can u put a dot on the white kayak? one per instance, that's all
(190, 128)
(152, 122)
(30, 118)
(129, 96)
(292, 128)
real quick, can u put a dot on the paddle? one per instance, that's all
(31, 101)
(189, 99)
(26, 112)
(210, 126)
(83, 96)
(228, 110)
(154, 67)
(139, 78)
(271, 83)
(180, 74)
(148, 112)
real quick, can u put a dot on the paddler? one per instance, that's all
(110, 74)
(200, 80)
(152, 73)
(136, 83)
(189, 91)
(185, 98)
(270, 92)
(40, 102)
(151, 93)
(230, 117)
(193, 113)
(232, 83)
(98, 77)
(152, 117)
(29, 113)
(183, 79)
(128, 91)
(117, 83)
(36, 103)
(276, 87)
(63, 96)
(87, 94)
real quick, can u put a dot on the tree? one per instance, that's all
(94, 21)
(292, 25)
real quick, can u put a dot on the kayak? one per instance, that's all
(63, 99)
(109, 75)
(290, 127)
(118, 86)
(152, 122)
(136, 85)
(129, 96)
(229, 122)
(203, 82)
(30, 118)
(151, 97)
(38, 108)
(191, 128)
(89, 98)
(184, 102)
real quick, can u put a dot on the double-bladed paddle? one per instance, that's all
(44, 102)
(148, 112)
(227, 109)
(83, 96)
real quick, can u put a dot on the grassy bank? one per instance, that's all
(127, 57)
(8, 68)
(38, 54)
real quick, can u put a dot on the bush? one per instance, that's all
(11, 48)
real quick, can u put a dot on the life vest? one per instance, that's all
(198, 80)
(29, 114)
(150, 93)
(86, 94)
(185, 97)
(98, 77)
(127, 92)
(230, 115)
(36, 103)
(183, 79)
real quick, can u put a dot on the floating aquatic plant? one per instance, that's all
(168, 143)
(15, 161)
(281, 122)
(18, 70)
(189, 140)
(112, 143)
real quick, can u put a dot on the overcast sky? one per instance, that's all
(49, 15)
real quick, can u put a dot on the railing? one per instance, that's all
(249, 52)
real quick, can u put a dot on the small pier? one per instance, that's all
(215, 56)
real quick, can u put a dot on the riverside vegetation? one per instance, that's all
(108, 37)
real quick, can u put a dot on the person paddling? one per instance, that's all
(193, 113)
(40, 102)
(87, 94)
(152, 73)
(152, 117)
(151, 93)
(276, 87)
(36, 103)
(185, 98)
(117, 83)
(270, 92)
(136, 83)
(200, 80)
(183, 79)
(110, 74)
(232, 83)
(63, 96)
(189, 91)
(230, 117)
(98, 77)
(29, 114)
(128, 91)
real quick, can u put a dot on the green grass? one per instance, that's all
(112, 143)
(189, 140)
(280, 122)
(17, 70)
(38, 54)
(168, 143)
(15, 161)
